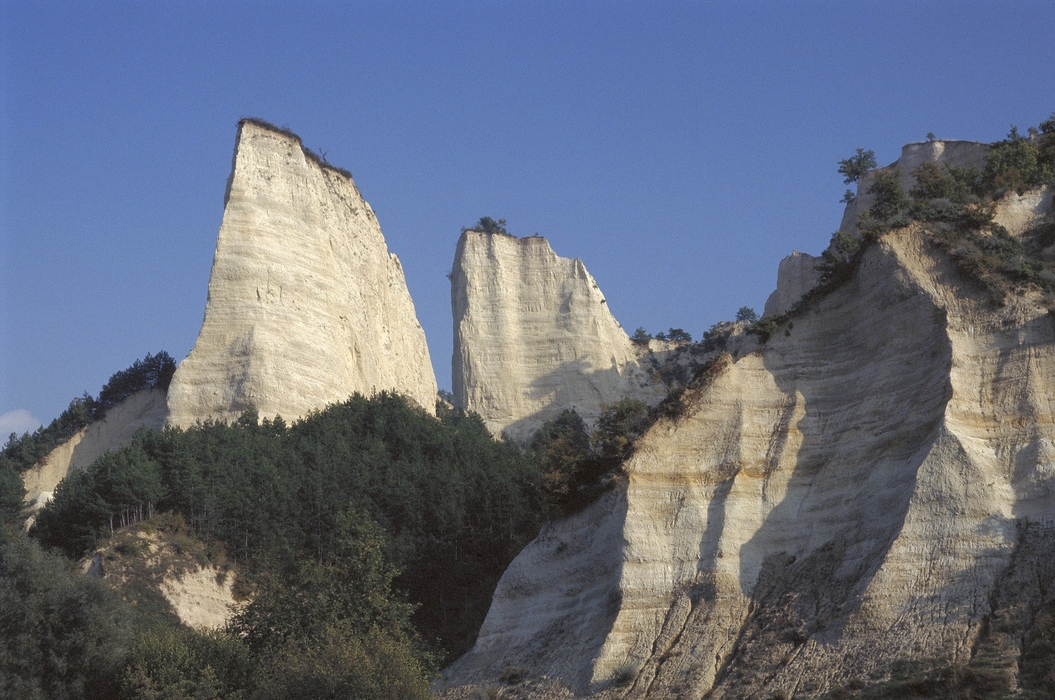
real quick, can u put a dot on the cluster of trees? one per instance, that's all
(332, 628)
(488, 225)
(371, 536)
(23, 452)
(456, 505)
(577, 464)
(641, 336)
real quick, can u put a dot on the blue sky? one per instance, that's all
(680, 149)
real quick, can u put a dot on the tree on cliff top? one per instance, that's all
(857, 165)
(488, 225)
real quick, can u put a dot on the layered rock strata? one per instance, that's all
(306, 305)
(533, 336)
(872, 486)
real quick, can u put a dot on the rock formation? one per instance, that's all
(876, 484)
(962, 154)
(533, 336)
(796, 275)
(144, 409)
(306, 305)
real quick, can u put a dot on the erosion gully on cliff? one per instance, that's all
(873, 486)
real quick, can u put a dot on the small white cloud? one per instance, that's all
(18, 421)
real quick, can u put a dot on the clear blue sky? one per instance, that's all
(680, 149)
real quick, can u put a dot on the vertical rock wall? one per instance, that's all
(533, 336)
(859, 491)
(306, 305)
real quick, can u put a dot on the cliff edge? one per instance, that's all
(871, 487)
(306, 305)
(533, 336)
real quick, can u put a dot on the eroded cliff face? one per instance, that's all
(875, 485)
(306, 305)
(533, 336)
(143, 409)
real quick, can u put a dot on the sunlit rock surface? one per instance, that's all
(306, 305)
(877, 484)
(533, 336)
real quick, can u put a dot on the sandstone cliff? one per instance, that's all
(533, 336)
(306, 305)
(144, 409)
(876, 484)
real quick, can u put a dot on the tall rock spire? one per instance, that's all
(533, 336)
(306, 305)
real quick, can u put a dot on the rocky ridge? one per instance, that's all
(306, 305)
(876, 484)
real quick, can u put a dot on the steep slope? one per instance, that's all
(533, 336)
(143, 409)
(869, 487)
(306, 305)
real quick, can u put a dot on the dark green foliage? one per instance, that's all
(152, 371)
(934, 182)
(62, 634)
(746, 313)
(21, 453)
(767, 325)
(350, 583)
(456, 505)
(12, 493)
(1016, 164)
(890, 199)
(857, 165)
(120, 488)
(340, 664)
(332, 627)
(488, 225)
(562, 448)
(618, 427)
(640, 336)
(839, 260)
(679, 335)
(176, 662)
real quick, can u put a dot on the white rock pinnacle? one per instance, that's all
(306, 305)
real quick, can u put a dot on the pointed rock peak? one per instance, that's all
(306, 305)
(533, 336)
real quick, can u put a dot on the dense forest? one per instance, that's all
(368, 537)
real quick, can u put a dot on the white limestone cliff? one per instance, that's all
(877, 484)
(143, 409)
(533, 336)
(306, 305)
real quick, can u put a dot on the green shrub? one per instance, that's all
(857, 165)
(746, 313)
(64, 634)
(1016, 164)
(640, 336)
